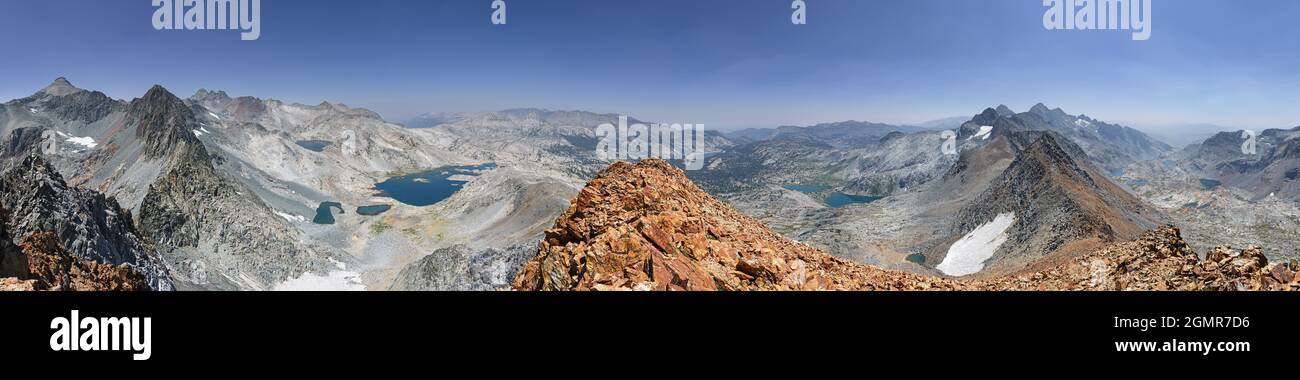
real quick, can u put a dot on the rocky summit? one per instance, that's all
(646, 227)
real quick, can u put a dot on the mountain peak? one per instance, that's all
(1003, 110)
(1040, 108)
(61, 86)
(162, 120)
(158, 92)
(205, 94)
(987, 118)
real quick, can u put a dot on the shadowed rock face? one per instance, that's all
(12, 262)
(646, 227)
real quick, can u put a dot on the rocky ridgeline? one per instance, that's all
(1160, 260)
(646, 227)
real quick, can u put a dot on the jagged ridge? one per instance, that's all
(90, 225)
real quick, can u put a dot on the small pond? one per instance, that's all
(373, 210)
(838, 199)
(314, 145)
(325, 214)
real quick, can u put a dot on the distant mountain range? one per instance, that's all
(225, 192)
(841, 134)
(1273, 170)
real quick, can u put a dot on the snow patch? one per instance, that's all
(337, 280)
(983, 134)
(83, 141)
(215, 115)
(967, 256)
(290, 217)
(1081, 123)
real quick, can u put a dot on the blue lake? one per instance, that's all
(917, 258)
(835, 199)
(373, 210)
(314, 145)
(428, 187)
(325, 214)
(1210, 184)
(838, 199)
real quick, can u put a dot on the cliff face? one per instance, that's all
(646, 227)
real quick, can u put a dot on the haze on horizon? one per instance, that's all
(725, 63)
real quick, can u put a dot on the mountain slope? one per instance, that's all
(1060, 203)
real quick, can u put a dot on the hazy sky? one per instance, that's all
(725, 63)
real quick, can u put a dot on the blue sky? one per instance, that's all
(725, 63)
